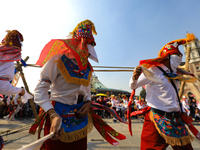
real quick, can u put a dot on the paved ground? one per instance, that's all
(17, 138)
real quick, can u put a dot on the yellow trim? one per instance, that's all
(173, 141)
(70, 79)
(79, 134)
(183, 78)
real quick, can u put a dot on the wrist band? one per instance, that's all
(53, 114)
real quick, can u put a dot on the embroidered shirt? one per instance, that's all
(61, 91)
(159, 96)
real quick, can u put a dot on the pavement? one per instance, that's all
(17, 136)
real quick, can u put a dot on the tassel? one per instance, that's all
(192, 128)
(97, 106)
(129, 112)
(190, 37)
(103, 128)
(141, 112)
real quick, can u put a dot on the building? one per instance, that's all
(98, 87)
(194, 65)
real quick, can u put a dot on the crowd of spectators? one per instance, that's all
(119, 103)
(7, 106)
(191, 107)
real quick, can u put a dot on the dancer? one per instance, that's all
(10, 51)
(163, 125)
(67, 74)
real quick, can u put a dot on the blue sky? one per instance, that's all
(127, 30)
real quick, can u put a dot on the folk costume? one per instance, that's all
(163, 125)
(10, 51)
(66, 72)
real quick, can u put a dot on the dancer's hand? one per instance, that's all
(137, 72)
(85, 109)
(55, 124)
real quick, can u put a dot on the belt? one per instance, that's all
(166, 114)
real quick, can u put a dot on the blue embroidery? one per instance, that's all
(67, 113)
(73, 68)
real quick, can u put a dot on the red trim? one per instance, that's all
(69, 115)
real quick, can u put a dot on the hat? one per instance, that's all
(84, 30)
(168, 49)
(112, 96)
(184, 96)
(13, 38)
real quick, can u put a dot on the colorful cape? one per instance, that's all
(75, 46)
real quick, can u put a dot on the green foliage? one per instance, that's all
(143, 93)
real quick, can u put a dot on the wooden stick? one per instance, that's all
(19, 67)
(113, 70)
(32, 65)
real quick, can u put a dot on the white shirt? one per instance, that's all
(159, 96)
(185, 104)
(61, 91)
(7, 71)
(140, 105)
(113, 103)
(136, 100)
(125, 102)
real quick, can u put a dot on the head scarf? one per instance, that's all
(75, 47)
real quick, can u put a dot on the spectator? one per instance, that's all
(124, 108)
(118, 106)
(197, 115)
(193, 105)
(185, 104)
(113, 105)
(107, 104)
(136, 99)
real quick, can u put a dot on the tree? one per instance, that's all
(143, 93)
